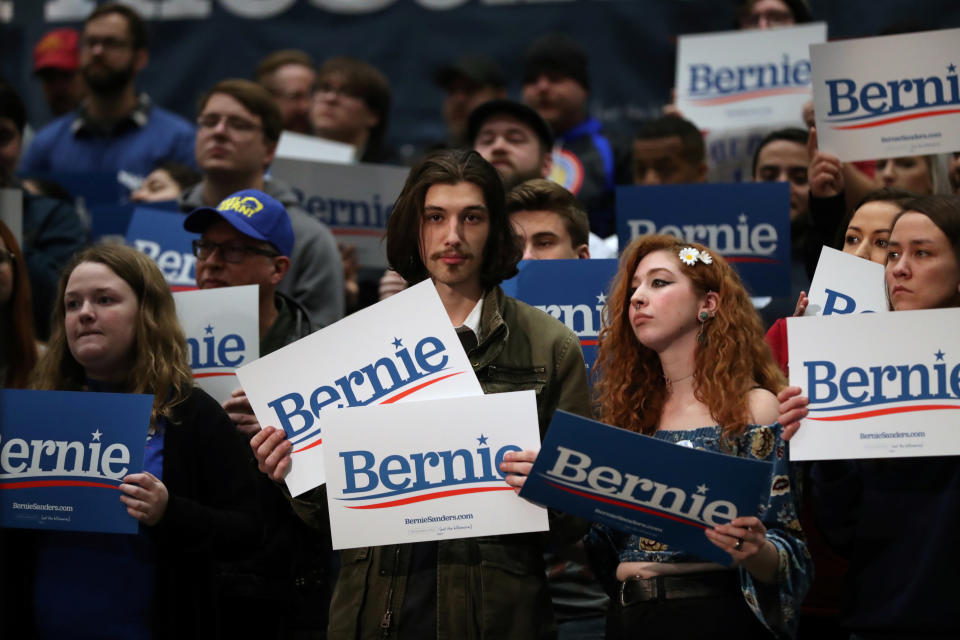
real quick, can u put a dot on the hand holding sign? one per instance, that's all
(826, 171)
(793, 408)
(745, 539)
(518, 465)
(146, 497)
(272, 451)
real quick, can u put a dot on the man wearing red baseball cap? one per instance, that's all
(56, 64)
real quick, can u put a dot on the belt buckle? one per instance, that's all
(650, 589)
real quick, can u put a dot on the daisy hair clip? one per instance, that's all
(689, 256)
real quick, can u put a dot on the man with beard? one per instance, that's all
(114, 129)
(513, 138)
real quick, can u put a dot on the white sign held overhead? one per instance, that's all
(844, 283)
(223, 332)
(740, 79)
(403, 348)
(881, 385)
(424, 471)
(888, 96)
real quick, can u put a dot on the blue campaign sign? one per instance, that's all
(95, 187)
(63, 456)
(114, 219)
(160, 235)
(644, 486)
(748, 224)
(572, 291)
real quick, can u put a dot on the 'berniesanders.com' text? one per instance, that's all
(432, 519)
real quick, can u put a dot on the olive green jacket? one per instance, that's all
(488, 587)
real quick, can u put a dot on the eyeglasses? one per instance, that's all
(107, 44)
(772, 17)
(230, 252)
(340, 91)
(234, 123)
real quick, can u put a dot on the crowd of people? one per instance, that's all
(686, 356)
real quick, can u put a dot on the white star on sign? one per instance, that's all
(96, 435)
(743, 218)
(602, 298)
(702, 488)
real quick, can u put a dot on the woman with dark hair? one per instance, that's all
(115, 329)
(895, 519)
(865, 232)
(683, 360)
(18, 349)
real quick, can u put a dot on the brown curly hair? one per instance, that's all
(630, 387)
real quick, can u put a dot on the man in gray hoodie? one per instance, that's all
(237, 132)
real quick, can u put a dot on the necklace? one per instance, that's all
(670, 382)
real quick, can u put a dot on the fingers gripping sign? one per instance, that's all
(238, 408)
(793, 408)
(272, 450)
(145, 497)
(744, 538)
(517, 466)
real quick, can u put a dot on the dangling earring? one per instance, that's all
(703, 316)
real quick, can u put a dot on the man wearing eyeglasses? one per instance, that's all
(351, 102)
(247, 239)
(238, 128)
(115, 129)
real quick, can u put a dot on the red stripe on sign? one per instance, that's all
(912, 116)
(628, 505)
(32, 484)
(418, 387)
(309, 446)
(884, 412)
(211, 375)
(750, 95)
(431, 496)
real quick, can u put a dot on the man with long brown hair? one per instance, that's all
(450, 225)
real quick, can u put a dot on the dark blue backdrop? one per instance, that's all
(632, 44)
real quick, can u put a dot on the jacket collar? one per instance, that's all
(493, 330)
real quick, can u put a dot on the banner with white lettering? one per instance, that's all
(881, 385)
(644, 486)
(63, 455)
(888, 96)
(735, 79)
(572, 291)
(353, 200)
(845, 283)
(748, 224)
(409, 473)
(160, 235)
(223, 332)
(403, 348)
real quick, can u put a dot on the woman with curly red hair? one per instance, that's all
(683, 360)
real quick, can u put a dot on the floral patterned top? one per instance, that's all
(776, 605)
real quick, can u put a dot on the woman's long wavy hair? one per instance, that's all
(160, 349)
(734, 358)
(18, 326)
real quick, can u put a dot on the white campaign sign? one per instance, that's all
(403, 348)
(428, 470)
(223, 333)
(300, 146)
(353, 200)
(742, 79)
(881, 385)
(844, 283)
(888, 96)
